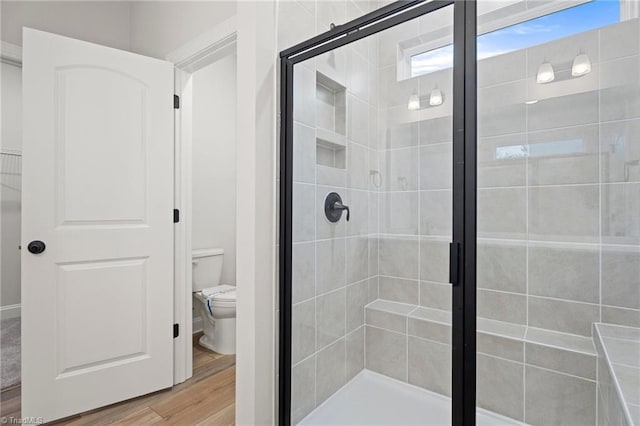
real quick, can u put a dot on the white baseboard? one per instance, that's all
(10, 311)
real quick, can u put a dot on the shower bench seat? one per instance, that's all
(618, 350)
(520, 369)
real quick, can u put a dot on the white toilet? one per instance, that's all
(216, 303)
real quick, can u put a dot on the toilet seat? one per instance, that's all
(221, 295)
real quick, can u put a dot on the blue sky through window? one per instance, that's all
(577, 19)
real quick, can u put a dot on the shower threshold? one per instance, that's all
(374, 399)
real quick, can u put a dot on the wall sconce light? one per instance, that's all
(545, 73)
(581, 65)
(435, 97)
(414, 102)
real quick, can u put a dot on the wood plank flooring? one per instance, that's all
(208, 398)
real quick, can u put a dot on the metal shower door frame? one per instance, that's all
(463, 246)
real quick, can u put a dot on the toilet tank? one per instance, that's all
(207, 267)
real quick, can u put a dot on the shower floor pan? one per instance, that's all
(373, 399)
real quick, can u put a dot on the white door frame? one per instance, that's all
(189, 58)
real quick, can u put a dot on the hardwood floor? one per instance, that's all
(208, 398)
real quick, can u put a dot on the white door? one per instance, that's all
(97, 304)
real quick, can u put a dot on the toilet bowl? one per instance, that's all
(215, 303)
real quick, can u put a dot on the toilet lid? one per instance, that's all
(225, 293)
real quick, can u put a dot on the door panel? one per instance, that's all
(98, 190)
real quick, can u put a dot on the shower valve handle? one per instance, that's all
(333, 207)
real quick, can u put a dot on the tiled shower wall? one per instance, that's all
(559, 232)
(334, 265)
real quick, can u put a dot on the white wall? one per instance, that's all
(102, 22)
(214, 161)
(10, 194)
(159, 27)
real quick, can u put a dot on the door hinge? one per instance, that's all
(176, 215)
(454, 262)
(176, 330)
(176, 102)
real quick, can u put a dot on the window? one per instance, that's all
(577, 19)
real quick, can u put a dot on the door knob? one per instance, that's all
(36, 247)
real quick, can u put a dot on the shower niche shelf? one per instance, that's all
(331, 122)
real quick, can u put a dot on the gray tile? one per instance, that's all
(566, 272)
(387, 320)
(397, 135)
(398, 290)
(358, 202)
(502, 347)
(556, 399)
(430, 330)
(399, 169)
(357, 259)
(372, 289)
(386, 352)
(619, 89)
(330, 317)
(563, 316)
(502, 68)
(436, 130)
(357, 166)
(357, 120)
(373, 256)
(621, 276)
(303, 271)
(331, 370)
(304, 95)
(355, 352)
(565, 361)
(500, 386)
(357, 298)
(434, 260)
(497, 165)
(570, 342)
(501, 265)
(628, 317)
(565, 213)
(304, 154)
(303, 330)
(501, 109)
(502, 213)
(621, 213)
(303, 212)
(629, 381)
(623, 352)
(501, 306)
(563, 111)
(303, 389)
(618, 153)
(330, 265)
(435, 295)
(436, 166)
(611, 35)
(435, 212)
(564, 156)
(430, 365)
(398, 257)
(358, 75)
(618, 332)
(399, 212)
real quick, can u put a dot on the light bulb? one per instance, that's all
(581, 65)
(435, 98)
(545, 73)
(414, 102)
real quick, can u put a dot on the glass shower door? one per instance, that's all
(371, 222)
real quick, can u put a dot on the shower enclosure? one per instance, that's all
(460, 216)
